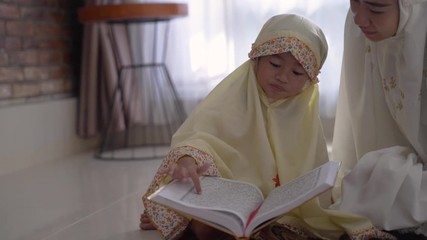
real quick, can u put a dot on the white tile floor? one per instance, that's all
(77, 198)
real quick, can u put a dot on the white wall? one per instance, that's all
(38, 132)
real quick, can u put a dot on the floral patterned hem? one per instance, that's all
(280, 231)
(371, 233)
(167, 221)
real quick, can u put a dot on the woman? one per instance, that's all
(380, 133)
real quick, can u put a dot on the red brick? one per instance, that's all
(26, 57)
(36, 47)
(2, 27)
(26, 90)
(11, 74)
(69, 84)
(53, 43)
(29, 2)
(51, 3)
(55, 16)
(67, 57)
(5, 91)
(67, 3)
(54, 86)
(29, 43)
(61, 72)
(65, 85)
(36, 73)
(20, 28)
(30, 13)
(8, 11)
(4, 58)
(2, 42)
(50, 57)
(13, 43)
(52, 30)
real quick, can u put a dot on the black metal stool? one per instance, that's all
(145, 109)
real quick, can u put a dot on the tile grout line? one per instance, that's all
(91, 214)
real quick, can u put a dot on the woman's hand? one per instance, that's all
(185, 169)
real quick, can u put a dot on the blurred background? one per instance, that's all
(56, 81)
(54, 68)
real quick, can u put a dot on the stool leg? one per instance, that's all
(164, 74)
(146, 85)
(118, 98)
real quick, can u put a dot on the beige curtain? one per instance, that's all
(98, 78)
(203, 48)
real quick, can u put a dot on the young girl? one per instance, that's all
(380, 134)
(260, 125)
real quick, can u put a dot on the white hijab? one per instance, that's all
(380, 134)
(383, 99)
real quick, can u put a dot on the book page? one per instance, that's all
(289, 192)
(225, 195)
(294, 193)
(223, 202)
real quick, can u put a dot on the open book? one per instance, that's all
(239, 208)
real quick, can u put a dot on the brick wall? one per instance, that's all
(40, 52)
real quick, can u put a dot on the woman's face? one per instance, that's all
(378, 19)
(281, 75)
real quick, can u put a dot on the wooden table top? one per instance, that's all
(132, 12)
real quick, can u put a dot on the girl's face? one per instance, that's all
(378, 19)
(281, 75)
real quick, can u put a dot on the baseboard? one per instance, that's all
(34, 133)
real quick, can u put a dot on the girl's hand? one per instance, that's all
(145, 222)
(185, 169)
